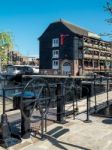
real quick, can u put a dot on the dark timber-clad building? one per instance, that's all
(66, 48)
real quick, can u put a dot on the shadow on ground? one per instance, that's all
(53, 134)
(107, 121)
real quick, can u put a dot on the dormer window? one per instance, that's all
(55, 42)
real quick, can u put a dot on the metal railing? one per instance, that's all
(53, 100)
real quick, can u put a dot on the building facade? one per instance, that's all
(68, 49)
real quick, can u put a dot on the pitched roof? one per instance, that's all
(78, 30)
(74, 28)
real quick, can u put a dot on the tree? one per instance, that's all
(6, 45)
(108, 8)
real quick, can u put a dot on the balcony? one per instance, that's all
(102, 57)
(87, 44)
(88, 56)
(88, 67)
(95, 46)
(97, 69)
(102, 68)
(96, 57)
(109, 58)
(108, 48)
(104, 47)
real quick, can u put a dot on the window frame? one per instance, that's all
(55, 42)
(55, 64)
(55, 53)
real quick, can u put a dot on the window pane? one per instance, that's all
(55, 64)
(55, 42)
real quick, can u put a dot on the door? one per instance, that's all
(67, 68)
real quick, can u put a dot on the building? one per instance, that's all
(65, 49)
(16, 58)
(33, 60)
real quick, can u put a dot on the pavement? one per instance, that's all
(73, 135)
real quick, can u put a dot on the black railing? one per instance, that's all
(58, 98)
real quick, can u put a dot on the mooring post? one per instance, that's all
(60, 103)
(4, 126)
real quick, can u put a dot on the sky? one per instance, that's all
(26, 20)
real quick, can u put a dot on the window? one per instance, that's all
(55, 64)
(55, 54)
(55, 42)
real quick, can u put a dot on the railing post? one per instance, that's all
(88, 107)
(60, 103)
(75, 102)
(95, 91)
(25, 124)
(3, 91)
(107, 90)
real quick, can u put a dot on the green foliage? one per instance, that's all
(5, 40)
(6, 45)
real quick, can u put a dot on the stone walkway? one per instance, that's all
(74, 135)
(100, 98)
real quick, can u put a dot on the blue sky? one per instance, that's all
(27, 19)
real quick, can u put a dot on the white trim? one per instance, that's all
(55, 54)
(55, 64)
(55, 42)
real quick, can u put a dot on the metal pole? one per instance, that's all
(76, 99)
(60, 103)
(42, 125)
(75, 103)
(107, 90)
(95, 91)
(45, 113)
(88, 101)
(88, 106)
(3, 100)
(25, 124)
(74, 110)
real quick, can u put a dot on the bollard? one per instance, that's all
(25, 123)
(4, 126)
(88, 106)
(6, 137)
(60, 103)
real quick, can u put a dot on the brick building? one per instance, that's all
(66, 48)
